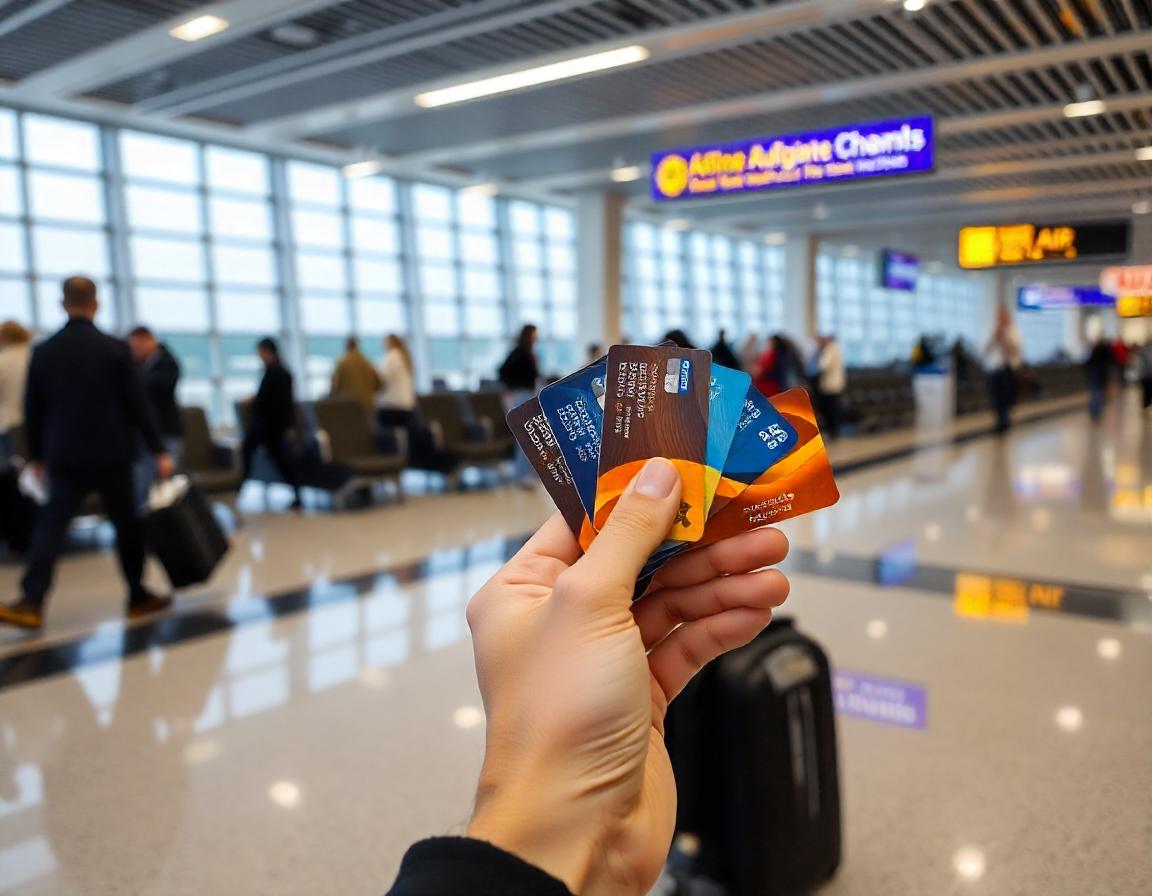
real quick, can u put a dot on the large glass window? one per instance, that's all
(543, 260)
(878, 326)
(700, 282)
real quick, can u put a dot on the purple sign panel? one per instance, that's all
(880, 699)
(899, 270)
(855, 151)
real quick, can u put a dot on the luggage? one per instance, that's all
(753, 744)
(183, 533)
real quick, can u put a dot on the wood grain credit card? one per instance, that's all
(798, 483)
(655, 405)
(532, 433)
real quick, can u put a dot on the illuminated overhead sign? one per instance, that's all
(1128, 281)
(1039, 297)
(852, 152)
(994, 246)
(898, 270)
(1134, 306)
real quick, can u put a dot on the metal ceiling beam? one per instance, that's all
(386, 43)
(1006, 118)
(30, 14)
(786, 100)
(1124, 192)
(154, 47)
(663, 44)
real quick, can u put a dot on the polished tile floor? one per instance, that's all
(297, 745)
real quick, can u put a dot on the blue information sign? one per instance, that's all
(1039, 297)
(852, 152)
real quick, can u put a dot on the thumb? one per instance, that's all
(639, 522)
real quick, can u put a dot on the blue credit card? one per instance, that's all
(574, 408)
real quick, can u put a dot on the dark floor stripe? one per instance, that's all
(43, 661)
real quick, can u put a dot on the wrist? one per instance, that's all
(538, 825)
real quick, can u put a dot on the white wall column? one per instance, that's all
(800, 320)
(599, 239)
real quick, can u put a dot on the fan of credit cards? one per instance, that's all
(745, 461)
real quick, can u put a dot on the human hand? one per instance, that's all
(165, 466)
(577, 679)
(39, 470)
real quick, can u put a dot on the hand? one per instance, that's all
(164, 466)
(576, 681)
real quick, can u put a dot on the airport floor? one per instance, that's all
(296, 724)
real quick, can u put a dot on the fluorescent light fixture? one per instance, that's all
(1142, 207)
(532, 77)
(915, 5)
(677, 224)
(484, 190)
(1144, 154)
(1080, 110)
(367, 168)
(199, 28)
(625, 173)
(776, 239)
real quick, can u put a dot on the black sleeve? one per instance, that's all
(166, 374)
(458, 866)
(34, 410)
(136, 410)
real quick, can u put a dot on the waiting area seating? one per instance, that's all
(456, 431)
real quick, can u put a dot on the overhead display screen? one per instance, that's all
(1040, 297)
(899, 270)
(1020, 244)
(1131, 280)
(852, 152)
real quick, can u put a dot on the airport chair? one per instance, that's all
(212, 466)
(487, 411)
(454, 443)
(354, 452)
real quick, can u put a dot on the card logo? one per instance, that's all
(676, 376)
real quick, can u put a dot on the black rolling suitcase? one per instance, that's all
(754, 749)
(184, 535)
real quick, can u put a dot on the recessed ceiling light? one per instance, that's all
(295, 35)
(199, 28)
(1142, 207)
(367, 168)
(1144, 154)
(482, 190)
(677, 224)
(1080, 110)
(776, 239)
(915, 5)
(532, 77)
(625, 173)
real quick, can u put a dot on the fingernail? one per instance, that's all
(657, 479)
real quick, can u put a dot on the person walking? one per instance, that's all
(397, 401)
(85, 414)
(160, 373)
(519, 375)
(1003, 356)
(723, 353)
(1098, 372)
(355, 377)
(273, 415)
(1144, 366)
(15, 352)
(830, 383)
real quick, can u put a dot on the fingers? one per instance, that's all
(606, 575)
(742, 553)
(686, 651)
(544, 556)
(658, 614)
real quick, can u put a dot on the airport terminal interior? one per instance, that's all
(934, 215)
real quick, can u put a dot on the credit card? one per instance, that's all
(726, 397)
(762, 437)
(574, 409)
(798, 483)
(532, 433)
(655, 405)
